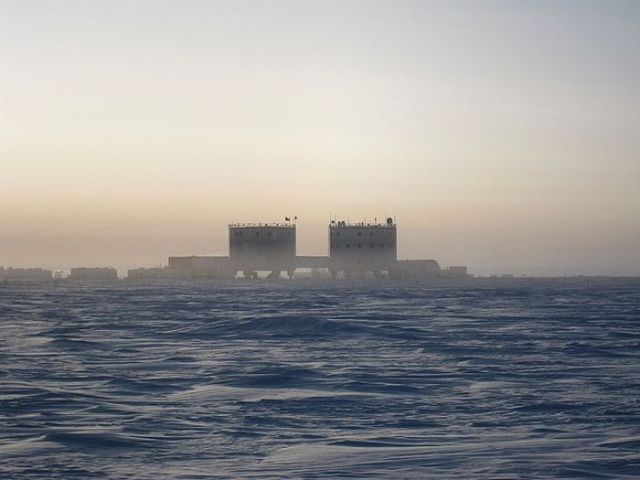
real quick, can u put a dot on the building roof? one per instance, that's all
(342, 224)
(262, 225)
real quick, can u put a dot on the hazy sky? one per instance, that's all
(503, 135)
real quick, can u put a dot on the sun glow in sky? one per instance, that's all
(503, 135)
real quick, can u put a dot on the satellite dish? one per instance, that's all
(389, 221)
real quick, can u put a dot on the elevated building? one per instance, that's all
(257, 247)
(357, 248)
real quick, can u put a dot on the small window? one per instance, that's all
(359, 234)
(348, 245)
(371, 234)
(338, 234)
(359, 245)
(382, 245)
(371, 245)
(268, 234)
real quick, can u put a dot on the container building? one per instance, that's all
(416, 269)
(200, 267)
(94, 274)
(27, 274)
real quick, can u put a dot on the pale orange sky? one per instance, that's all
(502, 136)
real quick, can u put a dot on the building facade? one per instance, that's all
(356, 248)
(30, 274)
(200, 267)
(263, 247)
(416, 269)
(94, 274)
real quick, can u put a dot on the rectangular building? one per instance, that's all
(362, 247)
(200, 267)
(94, 274)
(263, 247)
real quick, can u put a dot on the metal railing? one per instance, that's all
(263, 225)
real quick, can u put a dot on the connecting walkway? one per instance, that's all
(311, 261)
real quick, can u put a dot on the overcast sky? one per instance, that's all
(503, 135)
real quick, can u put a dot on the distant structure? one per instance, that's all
(200, 267)
(154, 273)
(263, 246)
(356, 248)
(94, 274)
(455, 272)
(25, 274)
(355, 251)
(416, 269)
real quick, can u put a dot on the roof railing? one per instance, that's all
(342, 224)
(267, 225)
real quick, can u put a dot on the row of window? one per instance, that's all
(390, 234)
(371, 245)
(269, 234)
